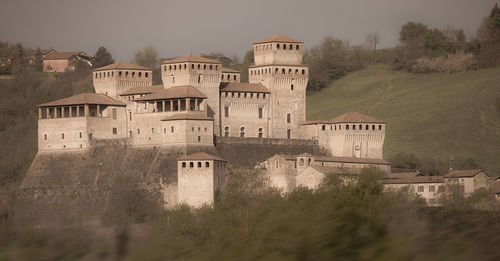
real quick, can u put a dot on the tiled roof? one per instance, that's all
(351, 160)
(143, 90)
(174, 93)
(201, 156)
(84, 98)
(402, 175)
(278, 65)
(278, 39)
(191, 58)
(243, 87)
(315, 122)
(62, 56)
(463, 173)
(354, 117)
(415, 180)
(325, 169)
(123, 66)
(188, 116)
(228, 70)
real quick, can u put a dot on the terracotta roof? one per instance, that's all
(495, 187)
(143, 90)
(188, 116)
(305, 155)
(351, 160)
(278, 39)
(463, 173)
(62, 56)
(201, 156)
(84, 98)
(173, 93)
(243, 87)
(354, 117)
(280, 65)
(224, 69)
(325, 169)
(123, 66)
(191, 58)
(415, 180)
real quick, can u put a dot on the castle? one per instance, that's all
(200, 101)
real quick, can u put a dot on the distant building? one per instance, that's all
(468, 180)
(64, 61)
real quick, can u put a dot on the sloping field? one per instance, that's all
(436, 115)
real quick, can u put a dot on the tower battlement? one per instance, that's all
(116, 78)
(278, 49)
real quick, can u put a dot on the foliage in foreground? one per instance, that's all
(346, 222)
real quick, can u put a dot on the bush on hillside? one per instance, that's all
(451, 63)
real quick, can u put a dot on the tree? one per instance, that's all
(147, 57)
(102, 58)
(489, 39)
(38, 62)
(435, 43)
(372, 39)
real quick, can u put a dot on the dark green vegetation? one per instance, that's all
(436, 116)
(252, 222)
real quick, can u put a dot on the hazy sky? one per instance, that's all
(177, 28)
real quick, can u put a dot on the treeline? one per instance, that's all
(432, 166)
(251, 221)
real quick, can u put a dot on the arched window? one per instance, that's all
(297, 47)
(353, 127)
(199, 78)
(379, 127)
(309, 162)
(199, 164)
(291, 47)
(289, 71)
(133, 74)
(226, 132)
(175, 67)
(222, 77)
(367, 127)
(360, 127)
(126, 74)
(199, 66)
(108, 74)
(301, 162)
(216, 67)
(283, 71)
(183, 164)
(242, 132)
(185, 66)
(296, 71)
(276, 71)
(96, 74)
(120, 74)
(323, 127)
(192, 66)
(191, 164)
(288, 118)
(228, 76)
(204, 67)
(303, 72)
(373, 127)
(147, 75)
(140, 74)
(234, 77)
(210, 67)
(207, 164)
(347, 126)
(113, 74)
(284, 47)
(278, 46)
(170, 67)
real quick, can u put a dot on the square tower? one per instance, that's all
(200, 177)
(202, 73)
(278, 66)
(116, 78)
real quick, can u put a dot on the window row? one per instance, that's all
(270, 46)
(347, 127)
(245, 94)
(242, 132)
(432, 188)
(153, 130)
(228, 77)
(193, 66)
(276, 71)
(80, 134)
(120, 74)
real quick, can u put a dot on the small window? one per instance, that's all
(115, 131)
(234, 77)
(379, 127)
(138, 131)
(242, 132)
(323, 127)
(207, 164)
(147, 75)
(153, 130)
(420, 188)
(199, 138)
(45, 136)
(367, 127)
(199, 164)
(288, 118)
(373, 127)
(62, 136)
(172, 129)
(226, 111)
(347, 126)
(260, 133)
(261, 113)
(183, 164)
(226, 132)
(130, 134)
(80, 135)
(164, 130)
(191, 164)
(288, 134)
(303, 72)
(291, 87)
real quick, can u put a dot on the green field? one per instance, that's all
(436, 115)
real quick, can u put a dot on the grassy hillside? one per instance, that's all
(437, 115)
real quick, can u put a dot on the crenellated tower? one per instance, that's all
(117, 78)
(278, 66)
(199, 72)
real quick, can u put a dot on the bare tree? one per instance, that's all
(147, 57)
(372, 39)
